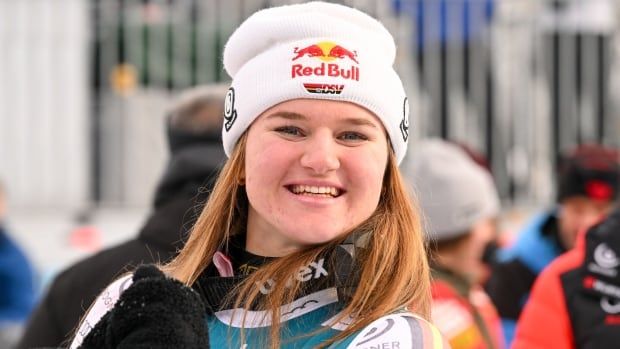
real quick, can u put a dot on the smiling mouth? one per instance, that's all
(308, 190)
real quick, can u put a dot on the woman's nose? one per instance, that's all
(321, 153)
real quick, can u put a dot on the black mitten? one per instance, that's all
(154, 312)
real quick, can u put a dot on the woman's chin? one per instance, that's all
(318, 235)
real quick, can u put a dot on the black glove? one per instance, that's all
(154, 312)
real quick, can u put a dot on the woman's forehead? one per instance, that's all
(323, 110)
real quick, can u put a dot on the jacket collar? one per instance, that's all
(335, 269)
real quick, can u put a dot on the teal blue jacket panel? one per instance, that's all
(305, 324)
(310, 321)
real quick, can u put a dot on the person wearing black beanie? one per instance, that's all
(588, 180)
(588, 184)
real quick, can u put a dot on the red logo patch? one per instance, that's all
(599, 190)
(326, 52)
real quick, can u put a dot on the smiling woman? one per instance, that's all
(309, 238)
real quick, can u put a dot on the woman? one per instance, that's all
(308, 239)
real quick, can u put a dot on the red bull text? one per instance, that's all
(326, 52)
(331, 69)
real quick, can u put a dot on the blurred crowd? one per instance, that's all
(551, 283)
(487, 292)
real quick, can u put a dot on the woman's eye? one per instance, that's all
(289, 130)
(353, 136)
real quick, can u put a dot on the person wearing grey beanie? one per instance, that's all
(459, 204)
(309, 238)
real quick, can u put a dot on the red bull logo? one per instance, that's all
(332, 69)
(326, 52)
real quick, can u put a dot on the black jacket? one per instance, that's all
(178, 201)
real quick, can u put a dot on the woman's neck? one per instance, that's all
(262, 239)
(264, 246)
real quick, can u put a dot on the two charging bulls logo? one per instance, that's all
(325, 51)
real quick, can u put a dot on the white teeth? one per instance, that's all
(327, 191)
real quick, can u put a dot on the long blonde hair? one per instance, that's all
(393, 268)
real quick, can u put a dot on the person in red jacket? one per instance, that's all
(575, 302)
(588, 180)
(459, 203)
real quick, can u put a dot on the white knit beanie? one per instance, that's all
(313, 50)
(453, 191)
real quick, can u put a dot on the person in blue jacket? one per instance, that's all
(588, 184)
(309, 238)
(17, 281)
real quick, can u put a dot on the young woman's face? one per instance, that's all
(313, 170)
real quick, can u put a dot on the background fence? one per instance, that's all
(84, 86)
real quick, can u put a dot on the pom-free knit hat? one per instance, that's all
(313, 50)
(453, 191)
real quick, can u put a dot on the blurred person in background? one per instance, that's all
(460, 204)
(17, 282)
(588, 181)
(194, 138)
(499, 239)
(575, 302)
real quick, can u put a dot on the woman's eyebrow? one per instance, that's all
(360, 122)
(296, 116)
(287, 115)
